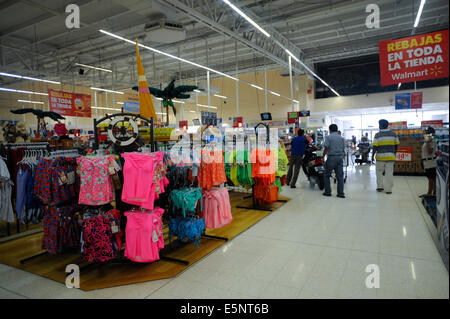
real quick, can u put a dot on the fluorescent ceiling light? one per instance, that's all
(419, 13)
(27, 78)
(275, 93)
(105, 90)
(21, 91)
(257, 87)
(167, 54)
(93, 67)
(176, 101)
(104, 108)
(158, 98)
(292, 55)
(208, 106)
(161, 113)
(295, 101)
(198, 91)
(253, 23)
(193, 111)
(221, 96)
(119, 102)
(34, 102)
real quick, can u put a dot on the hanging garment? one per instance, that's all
(265, 194)
(278, 184)
(96, 182)
(22, 177)
(185, 200)
(61, 229)
(144, 235)
(55, 180)
(98, 240)
(6, 209)
(282, 162)
(160, 180)
(138, 174)
(244, 169)
(263, 168)
(33, 207)
(187, 229)
(216, 208)
(212, 169)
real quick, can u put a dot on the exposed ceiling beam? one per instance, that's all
(7, 4)
(40, 19)
(194, 14)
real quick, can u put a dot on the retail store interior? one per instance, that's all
(181, 149)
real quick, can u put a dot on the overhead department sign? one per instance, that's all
(417, 58)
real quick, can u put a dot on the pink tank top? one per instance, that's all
(138, 174)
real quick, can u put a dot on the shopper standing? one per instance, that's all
(335, 149)
(385, 145)
(429, 149)
(298, 146)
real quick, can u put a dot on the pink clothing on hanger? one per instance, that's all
(138, 172)
(216, 208)
(143, 235)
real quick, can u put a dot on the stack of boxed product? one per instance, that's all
(409, 156)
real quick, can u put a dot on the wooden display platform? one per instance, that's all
(97, 276)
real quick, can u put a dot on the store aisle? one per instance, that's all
(312, 247)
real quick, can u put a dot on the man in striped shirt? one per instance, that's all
(385, 146)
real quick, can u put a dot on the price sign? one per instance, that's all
(404, 154)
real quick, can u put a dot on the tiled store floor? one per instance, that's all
(312, 247)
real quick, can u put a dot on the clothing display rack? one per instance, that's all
(72, 152)
(255, 205)
(29, 146)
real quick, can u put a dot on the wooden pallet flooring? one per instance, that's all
(110, 274)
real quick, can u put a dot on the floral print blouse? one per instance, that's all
(96, 180)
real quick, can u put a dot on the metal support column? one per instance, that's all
(209, 87)
(196, 96)
(96, 106)
(113, 95)
(290, 80)
(265, 83)
(237, 77)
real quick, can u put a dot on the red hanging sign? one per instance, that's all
(293, 117)
(183, 124)
(416, 100)
(238, 121)
(417, 58)
(434, 124)
(69, 104)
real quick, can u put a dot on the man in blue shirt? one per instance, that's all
(335, 149)
(298, 146)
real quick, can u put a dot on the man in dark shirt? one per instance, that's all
(298, 146)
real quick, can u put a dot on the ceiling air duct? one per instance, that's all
(164, 31)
